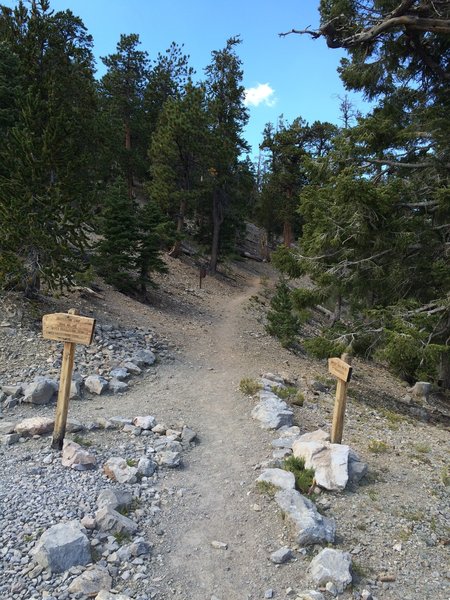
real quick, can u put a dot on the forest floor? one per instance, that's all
(394, 524)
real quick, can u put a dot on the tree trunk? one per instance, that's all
(217, 223)
(176, 250)
(444, 371)
(337, 310)
(129, 173)
(33, 281)
(288, 236)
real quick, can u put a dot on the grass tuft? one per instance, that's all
(304, 478)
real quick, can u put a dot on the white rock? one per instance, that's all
(329, 461)
(219, 545)
(331, 566)
(105, 595)
(310, 595)
(284, 480)
(319, 435)
(91, 581)
(35, 426)
(96, 384)
(76, 457)
(272, 412)
(117, 469)
(147, 422)
(307, 525)
(109, 520)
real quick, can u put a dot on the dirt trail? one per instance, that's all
(217, 483)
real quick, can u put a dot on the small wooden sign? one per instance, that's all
(64, 327)
(343, 371)
(71, 329)
(340, 369)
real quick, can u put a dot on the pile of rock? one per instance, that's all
(106, 365)
(335, 466)
(86, 516)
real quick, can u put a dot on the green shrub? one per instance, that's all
(322, 347)
(304, 478)
(289, 393)
(249, 387)
(282, 322)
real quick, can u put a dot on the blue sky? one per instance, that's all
(294, 76)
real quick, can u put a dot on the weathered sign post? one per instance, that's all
(71, 329)
(343, 371)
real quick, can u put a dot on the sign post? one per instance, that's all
(71, 329)
(343, 371)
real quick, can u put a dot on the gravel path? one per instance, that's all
(395, 524)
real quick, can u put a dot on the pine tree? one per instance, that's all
(228, 117)
(122, 89)
(46, 177)
(156, 232)
(281, 320)
(117, 253)
(178, 156)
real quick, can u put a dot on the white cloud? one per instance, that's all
(262, 93)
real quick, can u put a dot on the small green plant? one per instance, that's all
(121, 537)
(264, 487)
(422, 448)
(131, 462)
(360, 571)
(304, 478)
(78, 439)
(361, 526)
(123, 510)
(249, 387)
(289, 393)
(27, 538)
(372, 495)
(445, 476)
(378, 447)
(322, 347)
(298, 399)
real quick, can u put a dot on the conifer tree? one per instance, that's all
(228, 117)
(46, 176)
(117, 253)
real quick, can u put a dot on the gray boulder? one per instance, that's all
(307, 525)
(357, 469)
(284, 480)
(63, 546)
(143, 358)
(96, 384)
(91, 582)
(146, 467)
(120, 373)
(169, 459)
(331, 566)
(40, 391)
(281, 556)
(109, 520)
(117, 387)
(114, 498)
(105, 595)
(271, 412)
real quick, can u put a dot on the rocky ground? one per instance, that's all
(206, 529)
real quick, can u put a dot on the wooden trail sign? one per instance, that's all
(71, 329)
(343, 371)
